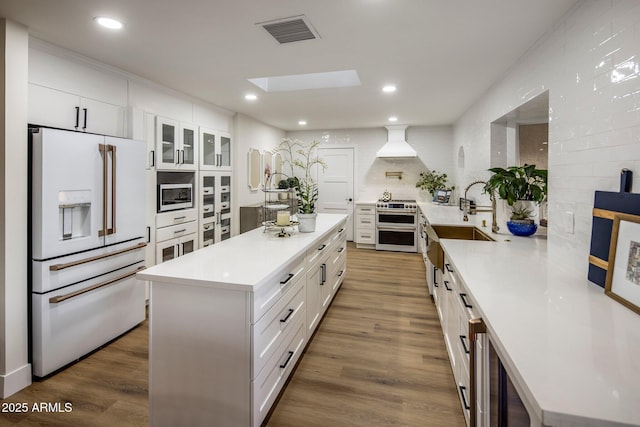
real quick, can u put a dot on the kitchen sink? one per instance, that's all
(436, 232)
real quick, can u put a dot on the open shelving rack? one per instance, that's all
(274, 206)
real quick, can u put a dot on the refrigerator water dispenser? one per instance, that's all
(74, 208)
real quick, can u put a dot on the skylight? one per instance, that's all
(331, 79)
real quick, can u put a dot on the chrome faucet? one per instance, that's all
(466, 209)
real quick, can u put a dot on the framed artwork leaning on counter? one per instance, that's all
(623, 275)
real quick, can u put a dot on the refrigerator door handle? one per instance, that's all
(103, 152)
(58, 267)
(112, 230)
(60, 298)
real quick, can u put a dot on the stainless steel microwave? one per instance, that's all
(175, 196)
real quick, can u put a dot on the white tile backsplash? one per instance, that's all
(590, 63)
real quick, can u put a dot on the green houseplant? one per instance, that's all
(520, 187)
(303, 157)
(432, 181)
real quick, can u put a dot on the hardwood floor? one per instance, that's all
(377, 359)
(107, 388)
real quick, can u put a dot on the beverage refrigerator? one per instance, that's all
(87, 239)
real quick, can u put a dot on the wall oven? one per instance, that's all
(175, 196)
(397, 226)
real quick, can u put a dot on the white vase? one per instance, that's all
(307, 222)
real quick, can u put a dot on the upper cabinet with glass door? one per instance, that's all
(176, 145)
(215, 150)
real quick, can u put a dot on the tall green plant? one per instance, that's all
(518, 183)
(301, 156)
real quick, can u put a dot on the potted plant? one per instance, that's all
(303, 157)
(283, 184)
(433, 181)
(522, 187)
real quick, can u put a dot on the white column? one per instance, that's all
(15, 370)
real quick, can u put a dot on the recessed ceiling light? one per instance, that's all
(110, 23)
(393, 119)
(389, 88)
(302, 122)
(250, 97)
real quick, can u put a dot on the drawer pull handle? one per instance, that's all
(286, 362)
(322, 247)
(448, 267)
(446, 285)
(340, 250)
(341, 273)
(323, 275)
(287, 279)
(180, 231)
(464, 398)
(291, 311)
(463, 297)
(179, 217)
(341, 230)
(464, 345)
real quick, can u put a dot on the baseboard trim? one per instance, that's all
(15, 381)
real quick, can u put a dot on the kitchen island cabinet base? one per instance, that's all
(199, 336)
(222, 347)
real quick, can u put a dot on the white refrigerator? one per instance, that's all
(88, 236)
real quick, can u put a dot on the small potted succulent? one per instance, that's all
(522, 187)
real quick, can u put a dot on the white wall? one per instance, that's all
(590, 64)
(15, 371)
(433, 144)
(251, 133)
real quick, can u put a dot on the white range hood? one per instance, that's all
(396, 146)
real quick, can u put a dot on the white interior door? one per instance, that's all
(335, 184)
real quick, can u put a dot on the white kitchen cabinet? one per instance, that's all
(173, 248)
(176, 234)
(176, 145)
(215, 150)
(326, 265)
(231, 336)
(215, 207)
(55, 108)
(366, 225)
(456, 308)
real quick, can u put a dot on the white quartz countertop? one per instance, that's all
(574, 351)
(243, 262)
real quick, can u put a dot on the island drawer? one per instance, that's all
(270, 292)
(174, 231)
(176, 217)
(316, 254)
(266, 387)
(269, 332)
(339, 233)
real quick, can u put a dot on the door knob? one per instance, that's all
(350, 199)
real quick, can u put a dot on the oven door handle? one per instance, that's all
(395, 228)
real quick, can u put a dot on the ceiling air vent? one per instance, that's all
(293, 29)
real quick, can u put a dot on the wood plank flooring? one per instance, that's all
(377, 359)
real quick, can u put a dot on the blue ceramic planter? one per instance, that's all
(520, 229)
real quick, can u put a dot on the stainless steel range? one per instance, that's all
(397, 225)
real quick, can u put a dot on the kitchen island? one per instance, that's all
(572, 353)
(228, 322)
